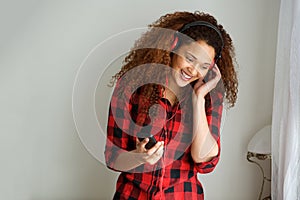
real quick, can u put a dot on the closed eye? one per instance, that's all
(190, 58)
(205, 66)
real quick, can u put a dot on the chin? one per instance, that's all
(181, 83)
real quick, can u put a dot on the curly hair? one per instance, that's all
(152, 48)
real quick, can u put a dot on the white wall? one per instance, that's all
(42, 44)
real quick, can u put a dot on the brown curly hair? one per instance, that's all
(153, 47)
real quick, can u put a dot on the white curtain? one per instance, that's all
(286, 106)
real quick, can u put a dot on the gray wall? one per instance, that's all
(43, 43)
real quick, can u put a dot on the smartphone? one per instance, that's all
(210, 75)
(151, 143)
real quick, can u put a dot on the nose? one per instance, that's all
(194, 69)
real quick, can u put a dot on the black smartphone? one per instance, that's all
(210, 75)
(151, 143)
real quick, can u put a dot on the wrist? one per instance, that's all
(199, 101)
(138, 157)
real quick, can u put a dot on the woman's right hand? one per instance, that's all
(150, 156)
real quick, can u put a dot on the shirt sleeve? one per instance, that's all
(118, 138)
(123, 124)
(214, 109)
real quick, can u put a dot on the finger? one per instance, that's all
(160, 151)
(155, 148)
(157, 154)
(137, 141)
(144, 142)
(213, 82)
(217, 71)
(140, 144)
(198, 84)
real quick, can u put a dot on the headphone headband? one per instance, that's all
(209, 25)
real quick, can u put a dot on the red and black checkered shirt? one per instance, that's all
(174, 176)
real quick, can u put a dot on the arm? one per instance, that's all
(123, 150)
(120, 153)
(129, 160)
(204, 146)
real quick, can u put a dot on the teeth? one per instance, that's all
(186, 76)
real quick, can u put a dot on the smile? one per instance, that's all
(185, 76)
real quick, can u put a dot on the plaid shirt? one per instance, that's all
(174, 176)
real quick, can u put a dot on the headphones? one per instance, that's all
(176, 40)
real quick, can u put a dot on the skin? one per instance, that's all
(191, 62)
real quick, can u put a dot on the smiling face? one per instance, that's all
(191, 62)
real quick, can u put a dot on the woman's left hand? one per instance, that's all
(201, 88)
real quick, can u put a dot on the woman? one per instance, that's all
(184, 64)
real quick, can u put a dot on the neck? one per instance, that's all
(172, 91)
